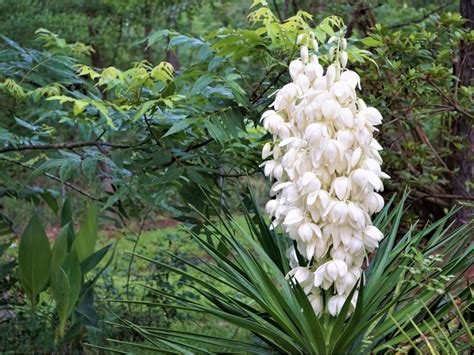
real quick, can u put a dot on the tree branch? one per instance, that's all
(72, 145)
(403, 24)
(273, 82)
(55, 178)
(190, 148)
(198, 145)
(148, 126)
(452, 102)
(446, 196)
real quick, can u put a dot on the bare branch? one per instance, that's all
(273, 82)
(148, 126)
(451, 101)
(414, 21)
(198, 145)
(55, 178)
(58, 146)
(447, 196)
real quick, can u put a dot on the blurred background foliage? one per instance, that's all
(142, 107)
(221, 78)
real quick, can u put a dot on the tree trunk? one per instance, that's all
(464, 126)
(362, 18)
(286, 10)
(96, 55)
(148, 28)
(172, 58)
(172, 55)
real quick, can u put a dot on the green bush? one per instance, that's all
(64, 275)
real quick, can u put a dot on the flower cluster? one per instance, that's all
(326, 164)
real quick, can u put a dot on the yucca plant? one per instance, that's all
(414, 295)
(450, 335)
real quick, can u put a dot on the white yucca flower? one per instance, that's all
(326, 164)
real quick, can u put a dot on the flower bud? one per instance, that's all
(315, 45)
(271, 206)
(344, 44)
(351, 77)
(343, 59)
(341, 187)
(317, 303)
(304, 54)
(313, 71)
(331, 75)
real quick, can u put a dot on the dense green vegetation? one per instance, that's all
(131, 130)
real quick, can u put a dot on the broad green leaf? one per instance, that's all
(65, 288)
(69, 168)
(60, 250)
(104, 111)
(89, 167)
(143, 109)
(66, 212)
(66, 218)
(48, 165)
(61, 98)
(50, 199)
(34, 259)
(163, 72)
(93, 260)
(88, 71)
(84, 243)
(216, 130)
(60, 290)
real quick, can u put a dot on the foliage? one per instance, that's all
(158, 119)
(114, 29)
(66, 270)
(391, 311)
(6, 266)
(421, 98)
(447, 335)
(144, 135)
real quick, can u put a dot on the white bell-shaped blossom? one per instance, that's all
(316, 301)
(303, 276)
(326, 165)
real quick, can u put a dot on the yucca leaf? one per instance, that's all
(250, 260)
(337, 328)
(231, 344)
(383, 254)
(107, 349)
(463, 321)
(408, 338)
